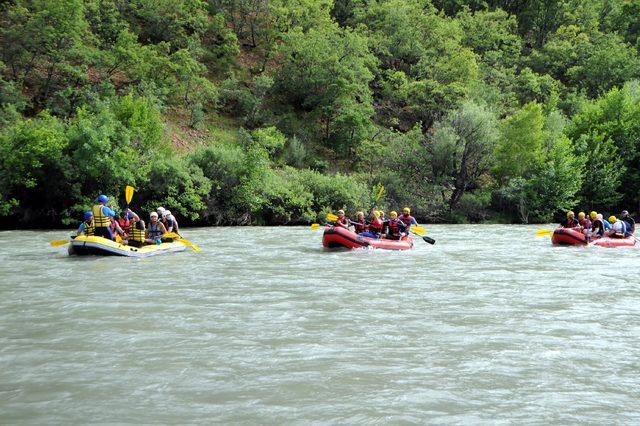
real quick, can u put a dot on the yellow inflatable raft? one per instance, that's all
(83, 245)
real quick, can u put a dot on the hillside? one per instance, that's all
(276, 111)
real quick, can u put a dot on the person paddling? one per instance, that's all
(570, 221)
(137, 230)
(87, 227)
(584, 222)
(631, 224)
(597, 227)
(618, 228)
(342, 221)
(407, 219)
(155, 231)
(360, 224)
(395, 227)
(124, 222)
(375, 225)
(170, 223)
(102, 217)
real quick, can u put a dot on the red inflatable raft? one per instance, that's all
(571, 237)
(336, 237)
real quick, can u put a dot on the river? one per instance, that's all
(489, 325)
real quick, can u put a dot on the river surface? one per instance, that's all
(490, 325)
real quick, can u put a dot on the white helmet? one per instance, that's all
(160, 211)
(153, 214)
(599, 216)
(166, 213)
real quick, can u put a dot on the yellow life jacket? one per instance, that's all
(136, 234)
(99, 219)
(89, 229)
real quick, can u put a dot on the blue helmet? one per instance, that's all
(103, 198)
(130, 215)
(87, 215)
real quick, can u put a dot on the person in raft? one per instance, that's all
(102, 217)
(598, 225)
(618, 228)
(360, 225)
(570, 221)
(375, 226)
(155, 231)
(170, 223)
(137, 232)
(87, 227)
(407, 218)
(584, 222)
(631, 224)
(395, 227)
(342, 220)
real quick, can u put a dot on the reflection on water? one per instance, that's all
(489, 325)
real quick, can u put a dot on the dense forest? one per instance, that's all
(276, 111)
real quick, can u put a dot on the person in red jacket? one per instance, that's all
(570, 221)
(375, 225)
(342, 221)
(395, 227)
(407, 218)
(360, 224)
(584, 222)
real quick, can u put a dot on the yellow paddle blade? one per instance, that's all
(57, 243)
(182, 240)
(380, 192)
(128, 193)
(314, 226)
(331, 217)
(543, 232)
(418, 229)
(118, 239)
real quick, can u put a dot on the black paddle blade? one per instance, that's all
(429, 240)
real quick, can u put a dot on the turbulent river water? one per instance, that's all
(489, 325)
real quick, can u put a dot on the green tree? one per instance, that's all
(325, 75)
(519, 147)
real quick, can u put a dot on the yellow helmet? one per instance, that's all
(570, 213)
(341, 212)
(359, 214)
(406, 210)
(593, 215)
(393, 214)
(376, 213)
(581, 215)
(612, 219)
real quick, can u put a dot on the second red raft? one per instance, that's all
(571, 237)
(337, 237)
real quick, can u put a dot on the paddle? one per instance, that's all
(128, 194)
(182, 240)
(331, 217)
(543, 232)
(314, 226)
(418, 229)
(424, 238)
(57, 243)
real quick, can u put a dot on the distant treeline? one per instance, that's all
(277, 111)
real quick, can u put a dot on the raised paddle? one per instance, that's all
(182, 240)
(128, 194)
(331, 217)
